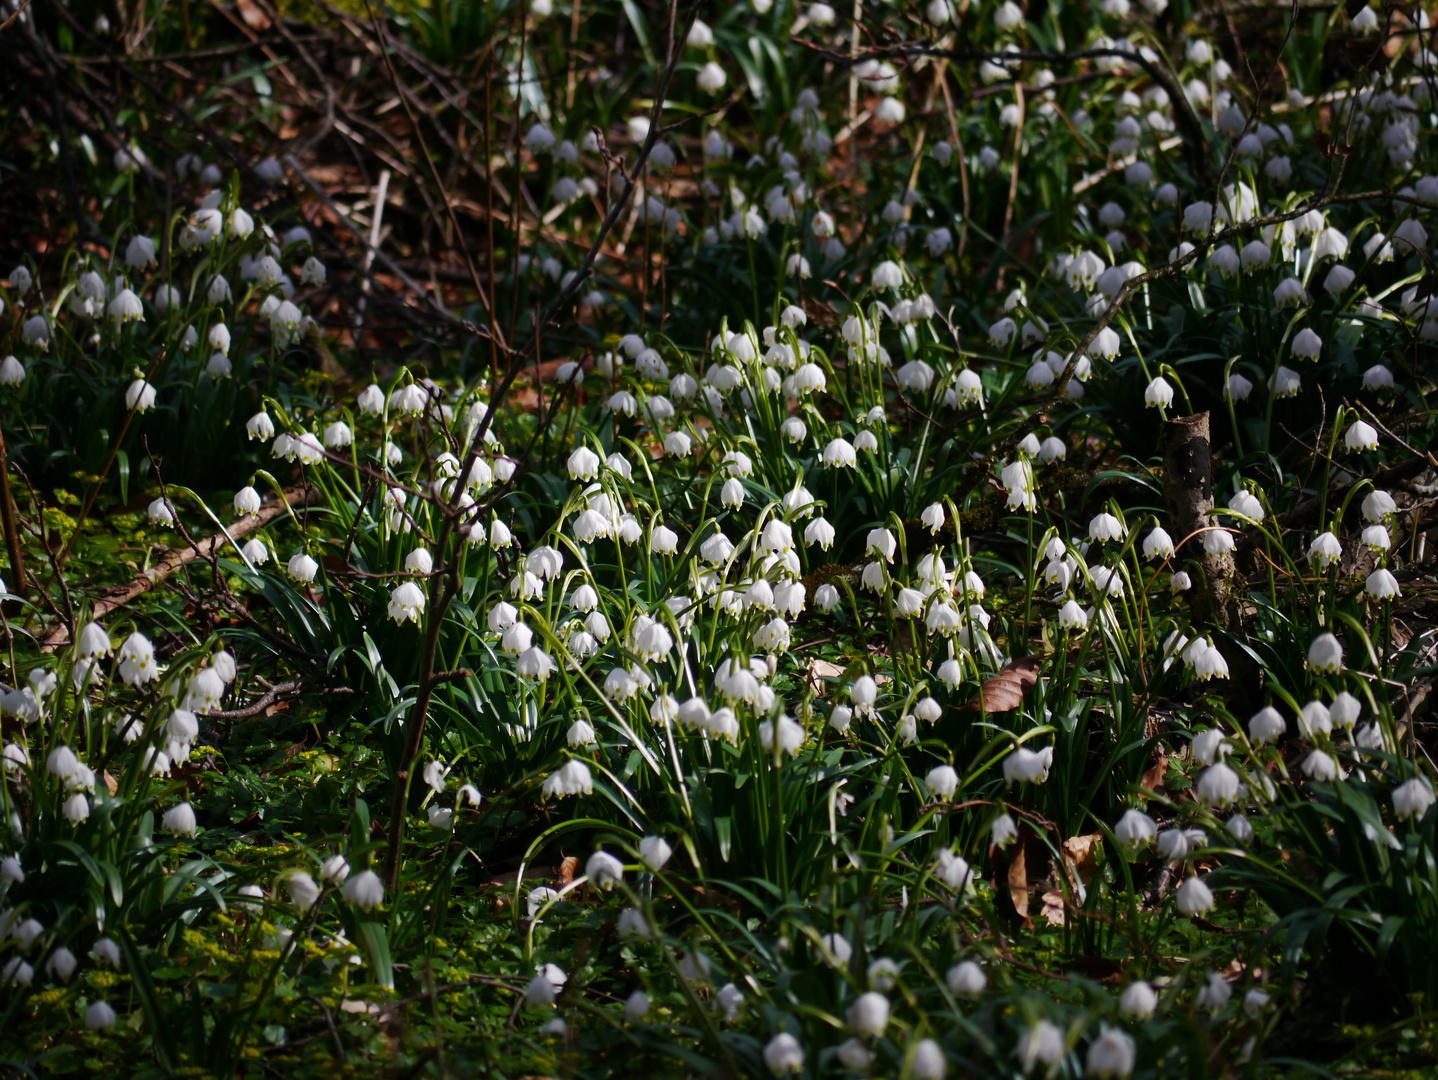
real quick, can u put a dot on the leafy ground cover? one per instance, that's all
(721, 540)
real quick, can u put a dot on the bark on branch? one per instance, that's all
(143, 582)
(1188, 501)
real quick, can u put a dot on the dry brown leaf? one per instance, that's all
(326, 175)
(1018, 868)
(822, 669)
(1053, 909)
(818, 670)
(1018, 882)
(111, 784)
(1081, 856)
(1153, 778)
(1006, 689)
(567, 869)
(254, 18)
(821, 313)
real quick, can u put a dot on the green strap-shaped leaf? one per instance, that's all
(376, 943)
(144, 986)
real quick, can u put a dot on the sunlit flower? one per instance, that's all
(1412, 798)
(1158, 393)
(783, 1055)
(1325, 551)
(1306, 344)
(180, 820)
(302, 568)
(1043, 1044)
(887, 275)
(1360, 436)
(1112, 1054)
(1105, 527)
(1195, 897)
(139, 396)
(1025, 766)
(1320, 766)
(1381, 585)
(364, 890)
(1325, 655)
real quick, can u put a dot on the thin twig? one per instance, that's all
(444, 586)
(175, 560)
(18, 12)
(265, 700)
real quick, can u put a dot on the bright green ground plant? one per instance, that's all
(744, 540)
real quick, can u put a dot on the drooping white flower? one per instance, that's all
(302, 568)
(1025, 766)
(1325, 655)
(869, 1015)
(942, 782)
(1320, 766)
(1111, 1056)
(711, 78)
(180, 820)
(1158, 544)
(364, 890)
(1041, 1044)
(139, 396)
(1360, 436)
(953, 870)
(1217, 786)
(887, 275)
(572, 779)
(1377, 505)
(125, 307)
(1158, 393)
(1381, 585)
(1306, 344)
(927, 1061)
(302, 889)
(966, 979)
(1325, 551)
(862, 694)
(99, 1016)
(783, 1055)
(1266, 726)
(603, 870)
(1135, 830)
(1195, 897)
(1412, 798)
(1105, 527)
(137, 660)
(1073, 617)
(583, 464)
(1138, 1001)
